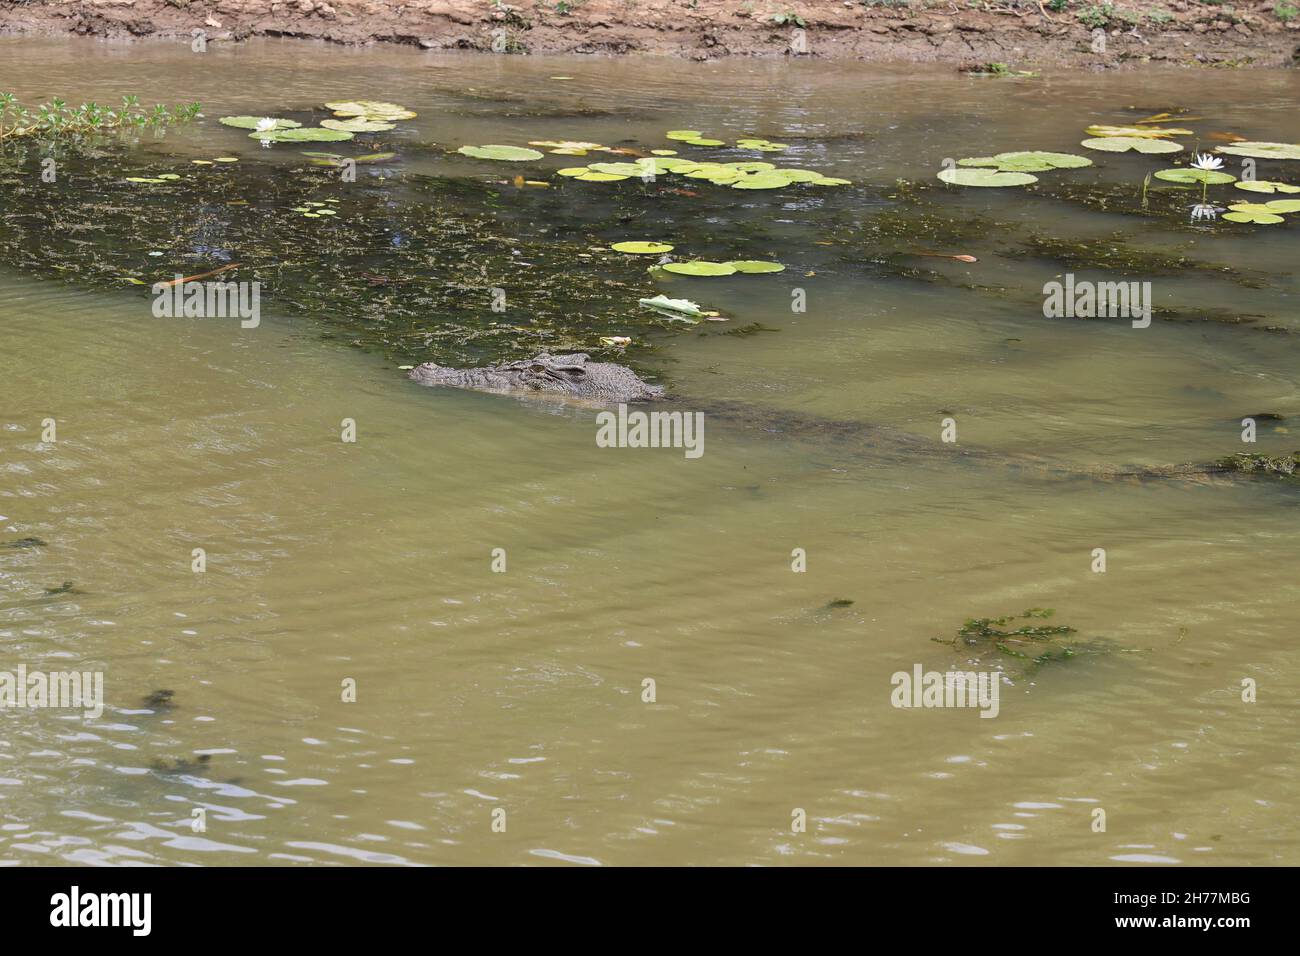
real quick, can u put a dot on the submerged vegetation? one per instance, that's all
(1022, 647)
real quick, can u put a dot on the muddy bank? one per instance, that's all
(1020, 33)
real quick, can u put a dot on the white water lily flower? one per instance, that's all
(1206, 161)
(266, 124)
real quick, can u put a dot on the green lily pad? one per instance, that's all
(304, 135)
(755, 167)
(642, 248)
(1122, 144)
(251, 122)
(664, 152)
(700, 268)
(357, 125)
(510, 154)
(1263, 150)
(801, 175)
(168, 176)
(683, 134)
(145, 179)
(705, 142)
(622, 169)
(590, 177)
(575, 171)
(1042, 161)
(225, 159)
(1266, 186)
(754, 266)
(1183, 175)
(832, 181)
(1258, 218)
(985, 177)
(1138, 132)
(767, 180)
(370, 108)
(1282, 205)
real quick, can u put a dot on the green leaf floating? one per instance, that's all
(1282, 205)
(358, 125)
(1122, 144)
(1138, 132)
(1182, 175)
(1252, 212)
(701, 268)
(511, 154)
(1263, 150)
(754, 266)
(251, 122)
(683, 134)
(684, 306)
(305, 135)
(705, 142)
(1025, 161)
(985, 177)
(768, 180)
(1266, 186)
(641, 248)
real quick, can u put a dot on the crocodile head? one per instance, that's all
(573, 375)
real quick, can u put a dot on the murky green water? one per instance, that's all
(522, 690)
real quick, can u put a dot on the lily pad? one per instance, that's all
(642, 248)
(305, 135)
(590, 177)
(1122, 144)
(683, 134)
(705, 142)
(1263, 150)
(755, 167)
(985, 177)
(1142, 132)
(1184, 175)
(664, 152)
(700, 268)
(754, 266)
(252, 122)
(1249, 212)
(832, 181)
(1266, 186)
(510, 154)
(767, 180)
(1281, 205)
(684, 306)
(1041, 161)
(357, 125)
(575, 171)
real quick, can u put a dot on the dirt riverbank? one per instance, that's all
(1022, 34)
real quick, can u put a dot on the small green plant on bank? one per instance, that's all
(1285, 12)
(56, 119)
(787, 18)
(1097, 15)
(1057, 6)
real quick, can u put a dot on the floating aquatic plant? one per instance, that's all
(700, 268)
(1141, 132)
(985, 177)
(1263, 150)
(510, 154)
(261, 123)
(1122, 144)
(1266, 186)
(1184, 175)
(1261, 214)
(371, 110)
(358, 125)
(754, 266)
(661, 303)
(683, 134)
(1024, 161)
(306, 134)
(642, 248)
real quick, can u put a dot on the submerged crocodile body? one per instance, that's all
(575, 376)
(569, 376)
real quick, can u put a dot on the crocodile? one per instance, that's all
(573, 376)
